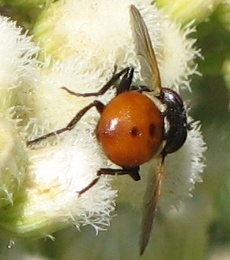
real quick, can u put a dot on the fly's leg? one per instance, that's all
(132, 172)
(99, 106)
(123, 86)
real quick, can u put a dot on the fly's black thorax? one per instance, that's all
(176, 121)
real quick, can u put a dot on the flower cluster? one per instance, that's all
(79, 44)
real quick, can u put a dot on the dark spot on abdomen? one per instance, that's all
(134, 131)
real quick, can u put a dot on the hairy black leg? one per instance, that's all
(126, 72)
(99, 106)
(132, 172)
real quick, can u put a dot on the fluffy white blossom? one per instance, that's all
(81, 42)
(17, 66)
(16, 53)
(98, 46)
(56, 175)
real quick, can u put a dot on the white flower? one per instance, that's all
(16, 67)
(56, 175)
(101, 39)
(96, 31)
(85, 40)
(16, 54)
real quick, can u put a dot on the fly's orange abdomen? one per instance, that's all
(130, 129)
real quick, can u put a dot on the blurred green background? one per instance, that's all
(202, 229)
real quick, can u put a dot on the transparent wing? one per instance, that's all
(152, 194)
(145, 52)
